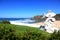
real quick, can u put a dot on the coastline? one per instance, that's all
(25, 24)
(37, 25)
(57, 23)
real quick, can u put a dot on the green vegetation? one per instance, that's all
(15, 32)
(5, 22)
(55, 35)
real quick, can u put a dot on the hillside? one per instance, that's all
(38, 18)
(57, 16)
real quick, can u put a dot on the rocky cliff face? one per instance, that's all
(57, 17)
(38, 18)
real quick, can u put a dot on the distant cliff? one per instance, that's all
(57, 17)
(39, 18)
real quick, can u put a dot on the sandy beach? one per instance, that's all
(37, 25)
(57, 24)
(25, 24)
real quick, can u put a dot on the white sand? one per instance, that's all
(25, 24)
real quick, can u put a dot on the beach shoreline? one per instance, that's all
(25, 24)
(57, 23)
(37, 25)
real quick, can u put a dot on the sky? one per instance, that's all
(27, 8)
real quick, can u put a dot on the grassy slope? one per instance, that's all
(22, 29)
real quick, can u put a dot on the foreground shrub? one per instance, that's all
(55, 35)
(7, 33)
(30, 35)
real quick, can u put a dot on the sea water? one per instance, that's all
(23, 20)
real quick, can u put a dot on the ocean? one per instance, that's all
(12, 19)
(25, 20)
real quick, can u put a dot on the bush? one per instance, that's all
(55, 35)
(13, 32)
(29, 35)
(5, 22)
(7, 33)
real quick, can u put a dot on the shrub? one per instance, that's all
(55, 35)
(30, 35)
(5, 22)
(7, 33)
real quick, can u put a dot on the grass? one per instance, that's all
(21, 29)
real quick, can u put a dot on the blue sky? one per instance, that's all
(27, 8)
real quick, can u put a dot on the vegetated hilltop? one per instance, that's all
(57, 16)
(38, 18)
